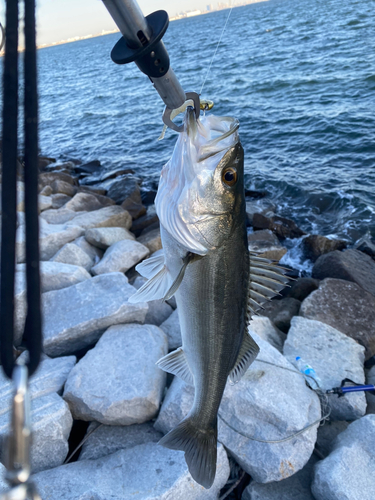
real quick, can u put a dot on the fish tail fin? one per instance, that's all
(200, 447)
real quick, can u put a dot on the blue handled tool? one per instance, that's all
(343, 389)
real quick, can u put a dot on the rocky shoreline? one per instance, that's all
(100, 353)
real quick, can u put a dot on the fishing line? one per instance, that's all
(323, 401)
(217, 46)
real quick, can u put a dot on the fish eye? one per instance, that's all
(229, 176)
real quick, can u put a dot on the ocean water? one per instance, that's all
(298, 74)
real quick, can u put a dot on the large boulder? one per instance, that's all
(63, 187)
(51, 424)
(124, 359)
(263, 326)
(334, 356)
(296, 487)
(300, 288)
(104, 237)
(315, 245)
(351, 265)
(268, 403)
(151, 240)
(366, 246)
(345, 306)
(74, 255)
(145, 472)
(75, 317)
(108, 439)
(47, 178)
(348, 471)
(282, 227)
(281, 312)
(87, 202)
(121, 256)
(56, 275)
(113, 216)
(59, 216)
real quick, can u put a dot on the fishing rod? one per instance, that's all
(142, 43)
(344, 389)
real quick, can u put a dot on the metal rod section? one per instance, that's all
(129, 19)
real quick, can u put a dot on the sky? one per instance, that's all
(63, 19)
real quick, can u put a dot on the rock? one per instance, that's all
(280, 312)
(345, 306)
(51, 424)
(44, 202)
(366, 246)
(124, 359)
(147, 220)
(132, 201)
(59, 216)
(44, 161)
(263, 327)
(92, 190)
(301, 288)
(282, 227)
(122, 188)
(93, 252)
(370, 397)
(327, 433)
(171, 327)
(46, 191)
(20, 307)
(88, 202)
(268, 403)
(148, 197)
(158, 310)
(145, 472)
(63, 187)
(88, 168)
(351, 265)
(108, 439)
(151, 240)
(4, 486)
(334, 356)
(59, 200)
(75, 317)
(296, 487)
(116, 172)
(104, 237)
(347, 473)
(114, 216)
(315, 245)
(55, 275)
(259, 206)
(50, 377)
(47, 178)
(274, 254)
(74, 255)
(260, 241)
(121, 256)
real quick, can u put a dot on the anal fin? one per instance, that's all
(248, 352)
(176, 363)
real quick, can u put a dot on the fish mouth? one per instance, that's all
(223, 133)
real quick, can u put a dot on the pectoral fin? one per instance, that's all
(248, 352)
(176, 363)
(155, 288)
(177, 282)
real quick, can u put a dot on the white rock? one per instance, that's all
(47, 191)
(296, 487)
(74, 255)
(55, 275)
(50, 377)
(334, 356)
(124, 359)
(263, 326)
(44, 202)
(75, 317)
(120, 257)
(51, 424)
(348, 472)
(171, 327)
(113, 216)
(146, 472)
(60, 186)
(151, 240)
(108, 439)
(52, 238)
(59, 216)
(59, 200)
(94, 253)
(268, 403)
(104, 237)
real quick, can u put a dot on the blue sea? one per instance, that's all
(298, 74)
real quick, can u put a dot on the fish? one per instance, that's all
(218, 284)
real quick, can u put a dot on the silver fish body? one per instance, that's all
(206, 264)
